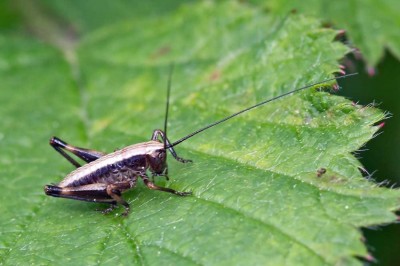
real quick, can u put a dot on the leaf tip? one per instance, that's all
(341, 32)
(371, 71)
(335, 87)
(370, 258)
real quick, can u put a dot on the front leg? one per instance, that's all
(159, 133)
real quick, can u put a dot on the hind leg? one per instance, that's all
(85, 154)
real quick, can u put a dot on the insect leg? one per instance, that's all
(92, 192)
(114, 191)
(85, 154)
(153, 186)
(109, 209)
(159, 133)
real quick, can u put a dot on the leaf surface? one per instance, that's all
(256, 199)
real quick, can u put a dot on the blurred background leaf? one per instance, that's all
(371, 26)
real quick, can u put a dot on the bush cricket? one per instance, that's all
(105, 177)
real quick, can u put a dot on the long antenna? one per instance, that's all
(254, 106)
(171, 69)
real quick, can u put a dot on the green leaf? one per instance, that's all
(371, 26)
(90, 15)
(257, 198)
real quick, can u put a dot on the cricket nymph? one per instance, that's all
(119, 166)
(105, 177)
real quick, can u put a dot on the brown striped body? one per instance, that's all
(122, 165)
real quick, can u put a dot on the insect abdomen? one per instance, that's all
(123, 170)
